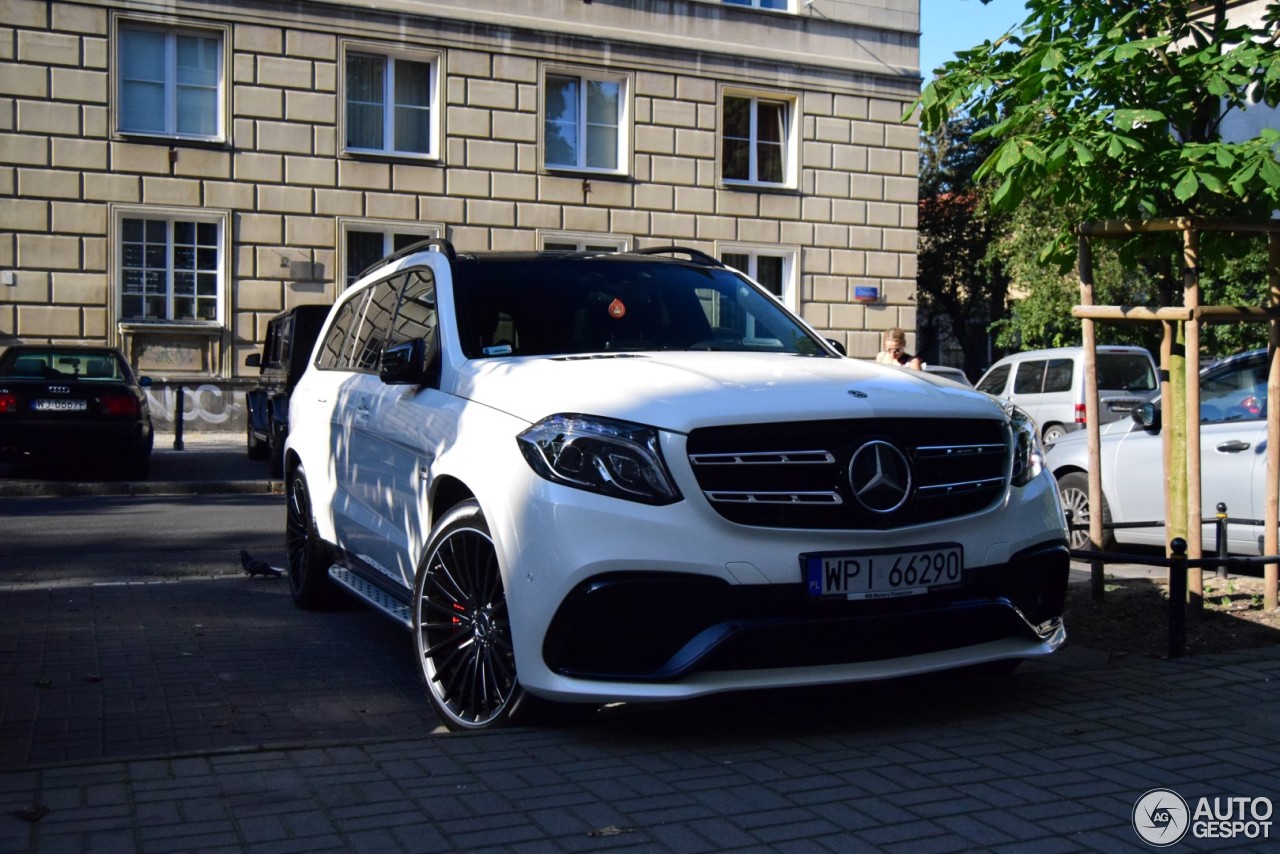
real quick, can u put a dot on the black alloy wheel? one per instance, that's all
(461, 627)
(308, 555)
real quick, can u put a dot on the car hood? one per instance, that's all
(680, 391)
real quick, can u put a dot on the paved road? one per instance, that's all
(98, 539)
(205, 712)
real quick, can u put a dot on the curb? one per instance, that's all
(67, 489)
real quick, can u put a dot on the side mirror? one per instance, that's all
(408, 363)
(839, 348)
(1147, 416)
(253, 360)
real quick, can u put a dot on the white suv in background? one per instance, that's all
(583, 478)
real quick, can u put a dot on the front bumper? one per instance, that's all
(655, 627)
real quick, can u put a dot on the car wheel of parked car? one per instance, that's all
(1074, 491)
(309, 557)
(1052, 433)
(464, 634)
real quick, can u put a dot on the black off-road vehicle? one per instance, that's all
(291, 335)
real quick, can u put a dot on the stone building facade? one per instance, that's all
(175, 173)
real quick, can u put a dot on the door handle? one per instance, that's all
(1234, 446)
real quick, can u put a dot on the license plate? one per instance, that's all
(59, 405)
(884, 574)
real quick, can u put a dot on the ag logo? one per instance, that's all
(1161, 817)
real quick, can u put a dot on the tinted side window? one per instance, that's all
(1057, 376)
(371, 334)
(335, 352)
(1030, 377)
(993, 382)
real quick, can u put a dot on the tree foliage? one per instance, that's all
(1113, 109)
(960, 286)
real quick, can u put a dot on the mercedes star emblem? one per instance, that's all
(880, 476)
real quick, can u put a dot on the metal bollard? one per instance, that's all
(179, 412)
(1178, 598)
(1221, 529)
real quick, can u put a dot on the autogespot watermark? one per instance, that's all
(1162, 818)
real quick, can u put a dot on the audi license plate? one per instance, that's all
(43, 405)
(884, 574)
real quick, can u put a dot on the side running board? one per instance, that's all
(372, 595)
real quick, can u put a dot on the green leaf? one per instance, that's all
(1187, 187)
(1009, 157)
(1083, 155)
(1128, 119)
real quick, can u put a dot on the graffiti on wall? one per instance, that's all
(204, 407)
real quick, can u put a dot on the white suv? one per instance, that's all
(586, 478)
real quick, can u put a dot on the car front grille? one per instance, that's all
(799, 475)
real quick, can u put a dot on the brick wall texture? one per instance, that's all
(284, 181)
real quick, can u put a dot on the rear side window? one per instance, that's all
(1030, 377)
(371, 333)
(335, 352)
(416, 316)
(1058, 375)
(993, 382)
(1125, 372)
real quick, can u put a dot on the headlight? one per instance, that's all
(1028, 457)
(601, 455)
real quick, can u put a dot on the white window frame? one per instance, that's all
(625, 112)
(220, 218)
(790, 256)
(170, 30)
(391, 55)
(387, 228)
(584, 240)
(790, 142)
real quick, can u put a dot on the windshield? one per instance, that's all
(592, 304)
(55, 364)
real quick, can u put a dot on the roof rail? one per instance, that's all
(695, 255)
(439, 244)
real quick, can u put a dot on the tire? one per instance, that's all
(462, 632)
(1073, 489)
(309, 556)
(1052, 433)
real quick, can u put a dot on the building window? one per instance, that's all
(780, 5)
(170, 267)
(391, 103)
(170, 82)
(773, 267)
(758, 140)
(568, 241)
(366, 242)
(584, 122)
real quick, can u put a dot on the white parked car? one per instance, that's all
(1049, 385)
(1233, 462)
(584, 478)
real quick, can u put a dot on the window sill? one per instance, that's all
(392, 157)
(586, 174)
(752, 187)
(173, 141)
(196, 327)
